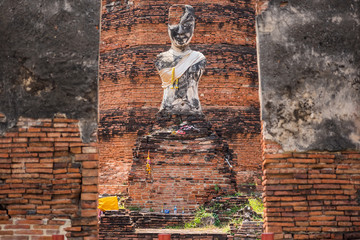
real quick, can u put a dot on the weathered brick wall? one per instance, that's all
(185, 169)
(48, 181)
(312, 195)
(174, 236)
(310, 113)
(130, 93)
(112, 222)
(48, 117)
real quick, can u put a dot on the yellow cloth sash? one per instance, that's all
(169, 75)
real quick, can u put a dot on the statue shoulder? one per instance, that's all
(162, 55)
(199, 54)
(166, 60)
(201, 62)
(163, 60)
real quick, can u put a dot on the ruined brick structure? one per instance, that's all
(185, 170)
(48, 119)
(48, 181)
(309, 75)
(312, 195)
(133, 33)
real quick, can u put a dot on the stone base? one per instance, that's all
(188, 166)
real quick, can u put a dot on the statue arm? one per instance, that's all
(198, 69)
(158, 63)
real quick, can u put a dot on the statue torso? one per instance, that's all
(183, 100)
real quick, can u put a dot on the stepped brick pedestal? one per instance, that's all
(188, 165)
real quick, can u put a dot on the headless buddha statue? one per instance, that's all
(180, 68)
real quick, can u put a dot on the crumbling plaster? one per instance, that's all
(309, 61)
(49, 60)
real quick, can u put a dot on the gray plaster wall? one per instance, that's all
(309, 61)
(49, 59)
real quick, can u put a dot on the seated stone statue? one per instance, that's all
(180, 68)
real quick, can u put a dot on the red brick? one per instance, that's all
(39, 165)
(89, 196)
(56, 222)
(89, 213)
(65, 120)
(33, 129)
(73, 170)
(89, 172)
(89, 204)
(68, 175)
(41, 144)
(53, 135)
(301, 160)
(38, 170)
(17, 226)
(17, 212)
(4, 155)
(322, 218)
(68, 139)
(89, 150)
(89, 157)
(6, 232)
(5, 140)
(11, 134)
(29, 232)
(40, 149)
(75, 150)
(73, 229)
(321, 155)
(282, 155)
(90, 188)
(14, 180)
(334, 229)
(29, 134)
(41, 238)
(23, 155)
(61, 154)
(90, 180)
(67, 129)
(42, 197)
(29, 222)
(60, 171)
(77, 144)
(90, 164)
(47, 139)
(60, 125)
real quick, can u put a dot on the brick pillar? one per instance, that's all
(48, 180)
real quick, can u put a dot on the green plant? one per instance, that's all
(199, 215)
(217, 222)
(216, 188)
(121, 202)
(233, 210)
(226, 229)
(257, 205)
(236, 221)
(237, 194)
(134, 208)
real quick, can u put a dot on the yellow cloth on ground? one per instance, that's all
(108, 204)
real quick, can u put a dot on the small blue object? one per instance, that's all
(175, 210)
(166, 211)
